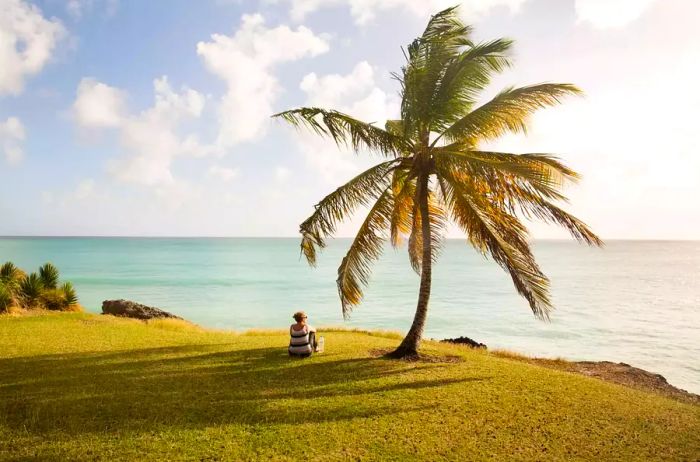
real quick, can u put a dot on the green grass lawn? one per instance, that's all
(79, 386)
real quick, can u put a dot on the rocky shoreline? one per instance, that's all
(620, 373)
(623, 374)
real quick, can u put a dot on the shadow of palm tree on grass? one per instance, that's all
(196, 386)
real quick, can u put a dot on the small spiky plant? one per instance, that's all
(10, 279)
(70, 297)
(10, 276)
(30, 290)
(49, 276)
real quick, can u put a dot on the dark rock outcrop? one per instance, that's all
(631, 376)
(465, 341)
(128, 309)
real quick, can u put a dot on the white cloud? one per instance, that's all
(75, 8)
(356, 94)
(610, 13)
(98, 105)
(12, 135)
(334, 89)
(282, 174)
(79, 8)
(27, 41)
(85, 189)
(85, 192)
(245, 62)
(225, 174)
(600, 13)
(150, 139)
(365, 11)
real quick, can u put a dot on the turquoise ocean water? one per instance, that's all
(633, 301)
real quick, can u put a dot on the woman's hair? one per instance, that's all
(299, 316)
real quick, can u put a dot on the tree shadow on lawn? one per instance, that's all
(197, 386)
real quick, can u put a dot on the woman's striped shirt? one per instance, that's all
(299, 343)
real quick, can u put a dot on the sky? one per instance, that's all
(152, 118)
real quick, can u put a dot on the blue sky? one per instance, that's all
(123, 117)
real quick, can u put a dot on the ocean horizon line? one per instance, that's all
(541, 239)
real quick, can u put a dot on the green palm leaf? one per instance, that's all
(345, 130)
(509, 111)
(403, 189)
(354, 271)
(341, 203)
(541, 173)
(492, 231)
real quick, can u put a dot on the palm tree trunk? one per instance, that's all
(410, 344)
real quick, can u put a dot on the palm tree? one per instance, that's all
(436, 173)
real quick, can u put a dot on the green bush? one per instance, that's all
(37, 290)
(53, 299)
(6, 300)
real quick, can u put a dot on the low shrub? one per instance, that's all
(6, 300)
(35, 291)
(53, 299)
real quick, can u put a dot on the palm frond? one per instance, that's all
(534, 206)
(403, 188)
(544, 174)
(337, 206)
(509, 111)
(346, 130)
(523, 183)
(443, 39)
(493, 231)
(438, 222)
(446, 22)
(415, 239)
(463, 78)
(367, 247)
(395, 127)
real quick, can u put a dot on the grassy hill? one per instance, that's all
(80, 386)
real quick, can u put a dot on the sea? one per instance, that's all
(636, 302)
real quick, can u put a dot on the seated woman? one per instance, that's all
(303, 337)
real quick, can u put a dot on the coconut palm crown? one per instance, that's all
(435, 173)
